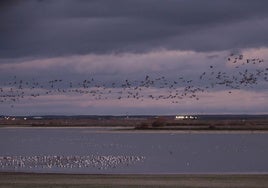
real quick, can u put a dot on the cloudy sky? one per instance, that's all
(49, 48)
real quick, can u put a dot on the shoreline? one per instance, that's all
(131, 180)
(111, 129)
(139, 174)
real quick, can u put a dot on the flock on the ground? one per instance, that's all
(246, 73)
(68, 162)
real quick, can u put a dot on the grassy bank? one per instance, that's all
(10, 180)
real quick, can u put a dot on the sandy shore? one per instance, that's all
(29, 180)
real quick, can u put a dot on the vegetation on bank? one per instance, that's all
(228, 124)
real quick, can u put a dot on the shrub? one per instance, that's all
(143, 126)
(159, 122)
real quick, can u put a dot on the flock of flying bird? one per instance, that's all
(246, 73)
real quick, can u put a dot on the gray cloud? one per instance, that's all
(56, 28)
(112, 41)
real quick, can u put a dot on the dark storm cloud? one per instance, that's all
(53, 28)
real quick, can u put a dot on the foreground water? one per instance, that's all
(87, 150)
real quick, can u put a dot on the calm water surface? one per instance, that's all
(127, 152)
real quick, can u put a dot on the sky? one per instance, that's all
(101, 57)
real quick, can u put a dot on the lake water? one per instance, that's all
(101, 151)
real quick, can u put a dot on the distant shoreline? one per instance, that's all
(153, 124)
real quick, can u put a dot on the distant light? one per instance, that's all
(180, 117)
